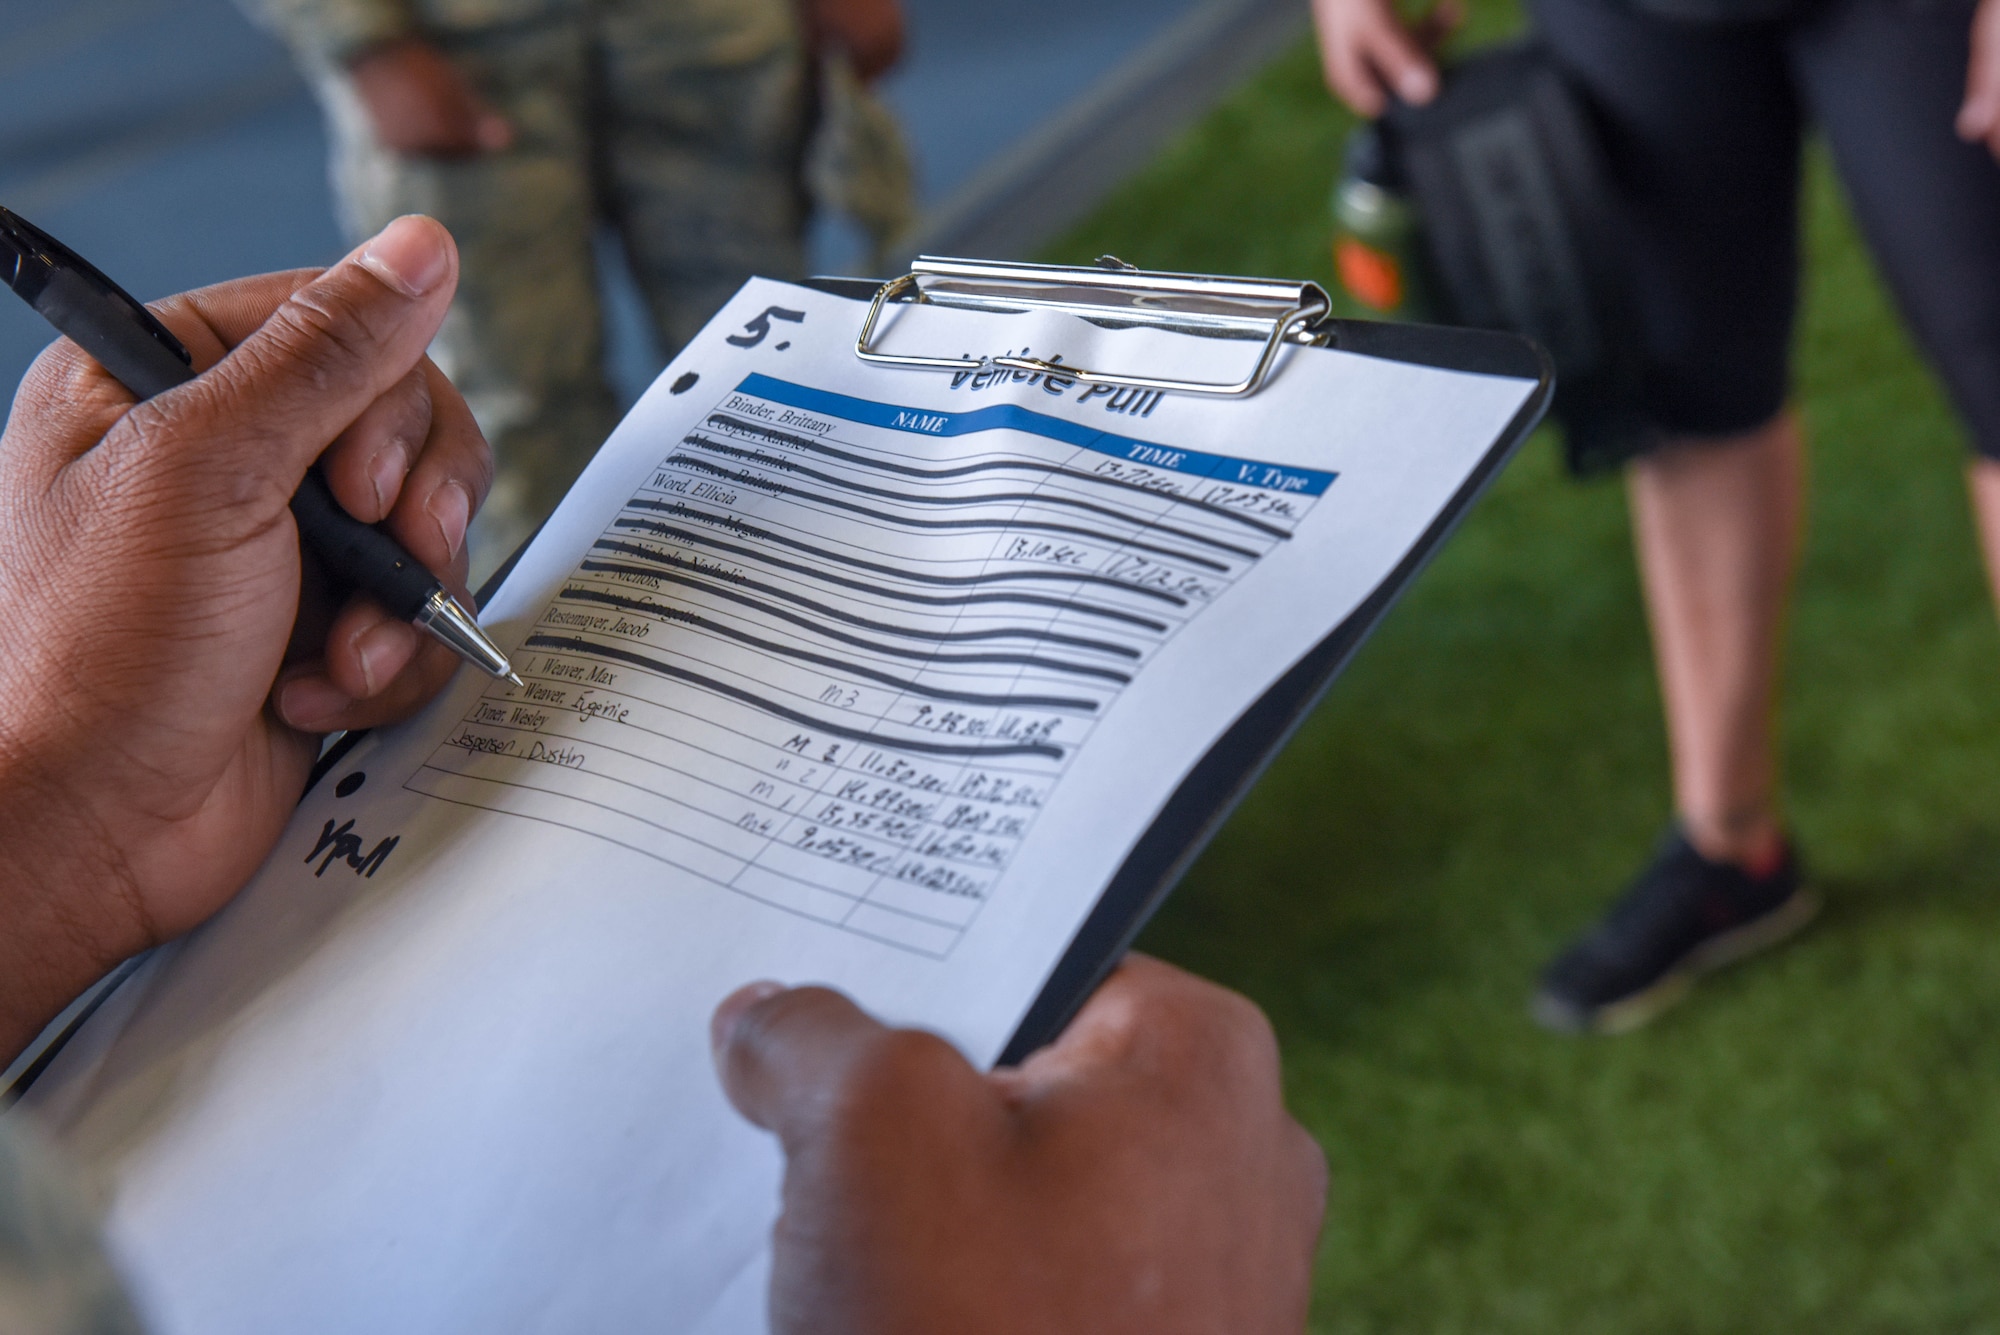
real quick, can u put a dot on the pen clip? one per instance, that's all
(38, 257)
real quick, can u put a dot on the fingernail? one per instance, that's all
(408, 255)
(723, 1023)
(312, 704)
(1418, 86)
(450, 507)
(384, 651)
(385, 474)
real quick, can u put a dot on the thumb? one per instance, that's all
(310, 369)
(778, 1048)
(796, 1061)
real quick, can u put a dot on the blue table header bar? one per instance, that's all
(1013, 417)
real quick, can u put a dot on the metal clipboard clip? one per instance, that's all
(1114, 294)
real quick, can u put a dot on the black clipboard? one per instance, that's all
(1115, 294)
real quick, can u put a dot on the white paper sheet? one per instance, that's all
(835, 674)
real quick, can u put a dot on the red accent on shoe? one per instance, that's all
(1770, 863)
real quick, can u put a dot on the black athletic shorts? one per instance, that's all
(1703, 124)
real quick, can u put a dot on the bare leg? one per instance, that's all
(1982, 477)
(1717, 526)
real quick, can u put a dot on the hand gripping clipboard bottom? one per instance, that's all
(1224, 776)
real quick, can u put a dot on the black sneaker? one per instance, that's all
(1682, 917)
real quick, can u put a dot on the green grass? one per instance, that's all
(1813, 1141)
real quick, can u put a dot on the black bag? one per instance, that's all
(1523, 234)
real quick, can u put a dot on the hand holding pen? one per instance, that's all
(407, 455)
(147, 359)
(166, 658)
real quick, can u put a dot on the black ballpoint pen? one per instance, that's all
(145, 357)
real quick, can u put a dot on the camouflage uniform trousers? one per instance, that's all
(688, 151)
(54, 1278)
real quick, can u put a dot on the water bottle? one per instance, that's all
(1378, 235)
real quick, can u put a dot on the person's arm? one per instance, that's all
(422, 105)
(1979, 118)
(1139, 1176)
(165, 667)
(1368, 52)
(418, 102)
(870, 32)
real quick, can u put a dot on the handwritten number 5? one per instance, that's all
(759, 329)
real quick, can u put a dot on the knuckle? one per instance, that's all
(483, 466)
(406, 407)
(1240, 1018)
(895, 1065)
(65, 404)
(454, 427)
(259, 358)
(400, 419)
(1252, 1029)
(1313, 1184)
(320, 320)
(323, 331)
(472, 463)
(1222, 1015)
(885, 1090)
(59, 372)
(1310, 1157)
(1223, 1034)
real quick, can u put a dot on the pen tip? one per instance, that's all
(515, 677)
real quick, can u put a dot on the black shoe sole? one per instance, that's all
(1643, 1007)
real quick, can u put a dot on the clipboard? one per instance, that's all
(1278, 315)
(1281, 314)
